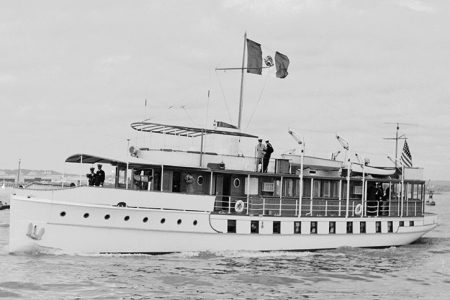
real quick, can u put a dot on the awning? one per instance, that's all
(183, 130)
(92, 159)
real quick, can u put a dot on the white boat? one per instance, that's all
(171, 200)
(430, 200)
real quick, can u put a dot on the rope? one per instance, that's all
(224, 97)
(259, 100)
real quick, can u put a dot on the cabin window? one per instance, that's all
(420, 192)
(316, 188)
(390, 227)
(200, 180)
(254, 227)
(314, 227)
(332, 227)
(297, 227)
(349, 227)
(395, 191)
(334, 189)
(268, 187)
(307, 187)
(276, 227)
(355, 189)
(362, 227)
(237, 182)
(231, 226)
(378, 226)
(411, 223)
(288, 187)
(326, 188)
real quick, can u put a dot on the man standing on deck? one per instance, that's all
(91, 177)
(100, 176)
(260, 151)
(266, 159)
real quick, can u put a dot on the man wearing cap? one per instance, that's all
(267, 154)
(91, 177)
(99, 176)
(260, 150)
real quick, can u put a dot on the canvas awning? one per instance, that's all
(183, 130)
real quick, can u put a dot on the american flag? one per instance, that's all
(406, 157)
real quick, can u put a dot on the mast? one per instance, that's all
(242, 83)
(396, 138)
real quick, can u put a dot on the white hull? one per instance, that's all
(38, 223)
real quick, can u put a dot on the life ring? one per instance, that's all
(239, 206)
(358, 209)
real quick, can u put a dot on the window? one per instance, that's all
(390, 227)
(401, 223)
(313, 227)
(254, 226)
(200, 180)
(276, 227)
(231, 226)
(334, 189)
(297, 227)
(326, 188)
(362, 227)
(268, 187)
(307, 187)
(349, 227)
(378, 226)
(332, 227)
(316, 188)
(411, 223)
(236, 182)
(288, 187)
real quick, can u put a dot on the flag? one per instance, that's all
(254, 58)
(257, 60)
(282, 64)
(406, 157)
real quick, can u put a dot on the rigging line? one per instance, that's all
(257, 103)
(224, 98)
(187, 114)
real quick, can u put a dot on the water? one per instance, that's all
(417, 271)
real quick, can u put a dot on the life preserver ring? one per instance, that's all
(239, 206)
(358, 209)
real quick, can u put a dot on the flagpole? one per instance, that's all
(242, 83)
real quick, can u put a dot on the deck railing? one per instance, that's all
(289, 207)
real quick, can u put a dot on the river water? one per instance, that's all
(417, 271)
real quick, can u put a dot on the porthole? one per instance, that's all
(200, 180)
(86, 215)
(145, 220)
(126, 218)
(179, 221)
(195, 222)
(62, 214)
(107, 217)
(163, 221)
(236, 182)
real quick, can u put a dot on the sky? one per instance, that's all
(75, 74)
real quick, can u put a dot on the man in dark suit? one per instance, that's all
(267, 154)
(100, 176)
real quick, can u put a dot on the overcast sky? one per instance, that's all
(75, 74)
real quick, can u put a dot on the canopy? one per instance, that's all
(183, 130)
(92, 159)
